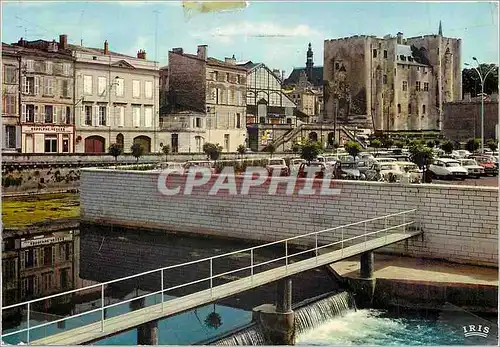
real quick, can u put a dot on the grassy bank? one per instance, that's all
(20, 212)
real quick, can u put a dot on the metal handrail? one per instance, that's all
(213, 276)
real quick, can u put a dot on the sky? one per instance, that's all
(274, 33)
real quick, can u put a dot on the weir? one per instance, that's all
(308, 315)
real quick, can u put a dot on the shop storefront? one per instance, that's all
(48, 139)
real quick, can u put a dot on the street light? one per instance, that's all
(482, 79)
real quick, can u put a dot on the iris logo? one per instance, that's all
(476, 330)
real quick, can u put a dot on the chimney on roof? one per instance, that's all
(202, 52)
(282, 75)
(63, 41)
(106, 47)
(141, 54)
(178, 50)
(399, 38)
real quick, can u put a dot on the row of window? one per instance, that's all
(222, 96)
(46, 256)
(31, 86)
(104, 87)
(53, 114)
(31, 287)
(410, 109)
(226, 77)
(375, 53)
(97, 115)
(418, 86)
(47, 67)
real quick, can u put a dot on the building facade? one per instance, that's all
(46, 97)
(214, 91)
(305, 87)
(117, 100)
(37, 265)
(399, 84)
(11, 126)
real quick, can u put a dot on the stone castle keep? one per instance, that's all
(397, 83)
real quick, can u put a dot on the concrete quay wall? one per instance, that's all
(460, 223)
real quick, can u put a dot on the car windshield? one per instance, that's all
(330, 159)
(296, 161)
(452, 164)
(469, 162)
(388, 167)
(276, 162)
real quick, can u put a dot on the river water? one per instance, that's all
(108, 254)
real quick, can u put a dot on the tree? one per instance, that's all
(448, 147)
(492, 145)
(473, 145)
(271, 148)
(353, 148)
(387, 143)
(399, 144)
(471, 83)
(423, 157)
(212, 151)
(241, 150)
(137, 151)
(166, 150)
(115, 150)
(431, 144)
(310, 151)
(295, 147)
(376, 144)
(437, 142)
(213, 320)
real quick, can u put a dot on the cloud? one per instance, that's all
(226, 33)
(145, 3)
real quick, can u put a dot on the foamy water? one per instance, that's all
(373, 327)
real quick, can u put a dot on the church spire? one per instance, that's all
(440, 32)
(309, 62)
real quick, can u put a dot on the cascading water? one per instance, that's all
(314, 314)
(251, 336)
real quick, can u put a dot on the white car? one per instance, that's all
(460, 153)
(170, 165)
(277, 164)
(473, 168)
(295, 165)
(447, 168)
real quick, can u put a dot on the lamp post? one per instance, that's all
(482, 79)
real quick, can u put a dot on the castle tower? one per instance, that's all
(309, 63)
(440, 30)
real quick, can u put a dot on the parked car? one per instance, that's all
(363, 166)
(488, 164)
(473, 168)
(277, 164)
(295, 165)
(460, 153)
(447, 168)
(170, 165)
(414, 172)
(349, 170)
(324, 171)
(200, 163)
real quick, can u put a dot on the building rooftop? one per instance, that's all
(212, 61)
(316, 78)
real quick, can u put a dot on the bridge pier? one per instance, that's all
(364, 286)
(277, 322)
(147, 333)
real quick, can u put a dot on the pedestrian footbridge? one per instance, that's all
(300, 253)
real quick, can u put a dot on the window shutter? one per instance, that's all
(108, 118)
(18, 137)
(35, 284)
(37, 85)
(122, 116)
(24, 85)
(95, 115)
(23, 113)
(23, 257)
(53, 255)
(41, 114)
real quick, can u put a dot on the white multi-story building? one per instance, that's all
(117, 98)
(208, 103)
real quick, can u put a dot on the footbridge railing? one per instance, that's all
(247, 262)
